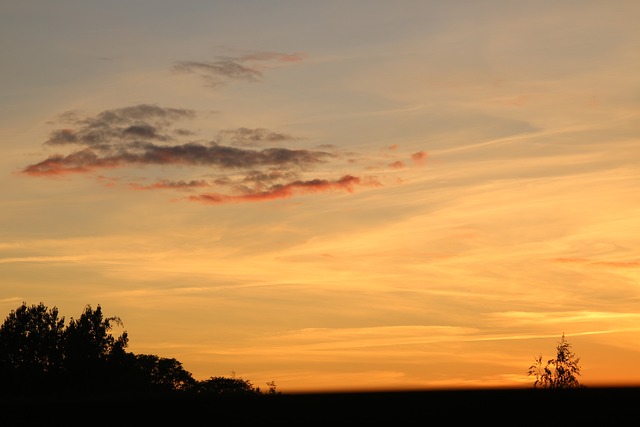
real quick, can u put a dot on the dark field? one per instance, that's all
(519, 407)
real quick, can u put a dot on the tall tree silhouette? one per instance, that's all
(91, 351)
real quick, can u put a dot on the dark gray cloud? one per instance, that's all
(146, 153)
(248, 67)
(118, 126)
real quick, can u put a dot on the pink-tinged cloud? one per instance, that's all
(419, 158)
(78, 162)
(346, 183)
(397, 165)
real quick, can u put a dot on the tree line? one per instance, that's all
(42, 356)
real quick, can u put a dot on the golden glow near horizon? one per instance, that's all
(331, 196)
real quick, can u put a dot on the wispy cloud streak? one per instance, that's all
(615, 264)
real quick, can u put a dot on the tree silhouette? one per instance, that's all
(558, 373)
(31, 352)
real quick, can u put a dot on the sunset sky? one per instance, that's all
(330, 195)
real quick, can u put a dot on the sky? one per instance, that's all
(335, 195)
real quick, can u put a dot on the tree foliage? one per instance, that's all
(161, 374)
(558, 373)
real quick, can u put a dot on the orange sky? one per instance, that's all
(330, 196)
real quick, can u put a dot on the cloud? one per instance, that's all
(183, 154)
(249, 67)
(77, 162)
(145, 135)
(121, 125)
(148, 135)
(168, 184)
(244, 137)
(217, 72)
(261, 178)
(346, 183)
(419, 158)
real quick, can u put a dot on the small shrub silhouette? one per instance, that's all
(558, 373)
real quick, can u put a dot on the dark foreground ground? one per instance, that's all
(518, 407)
